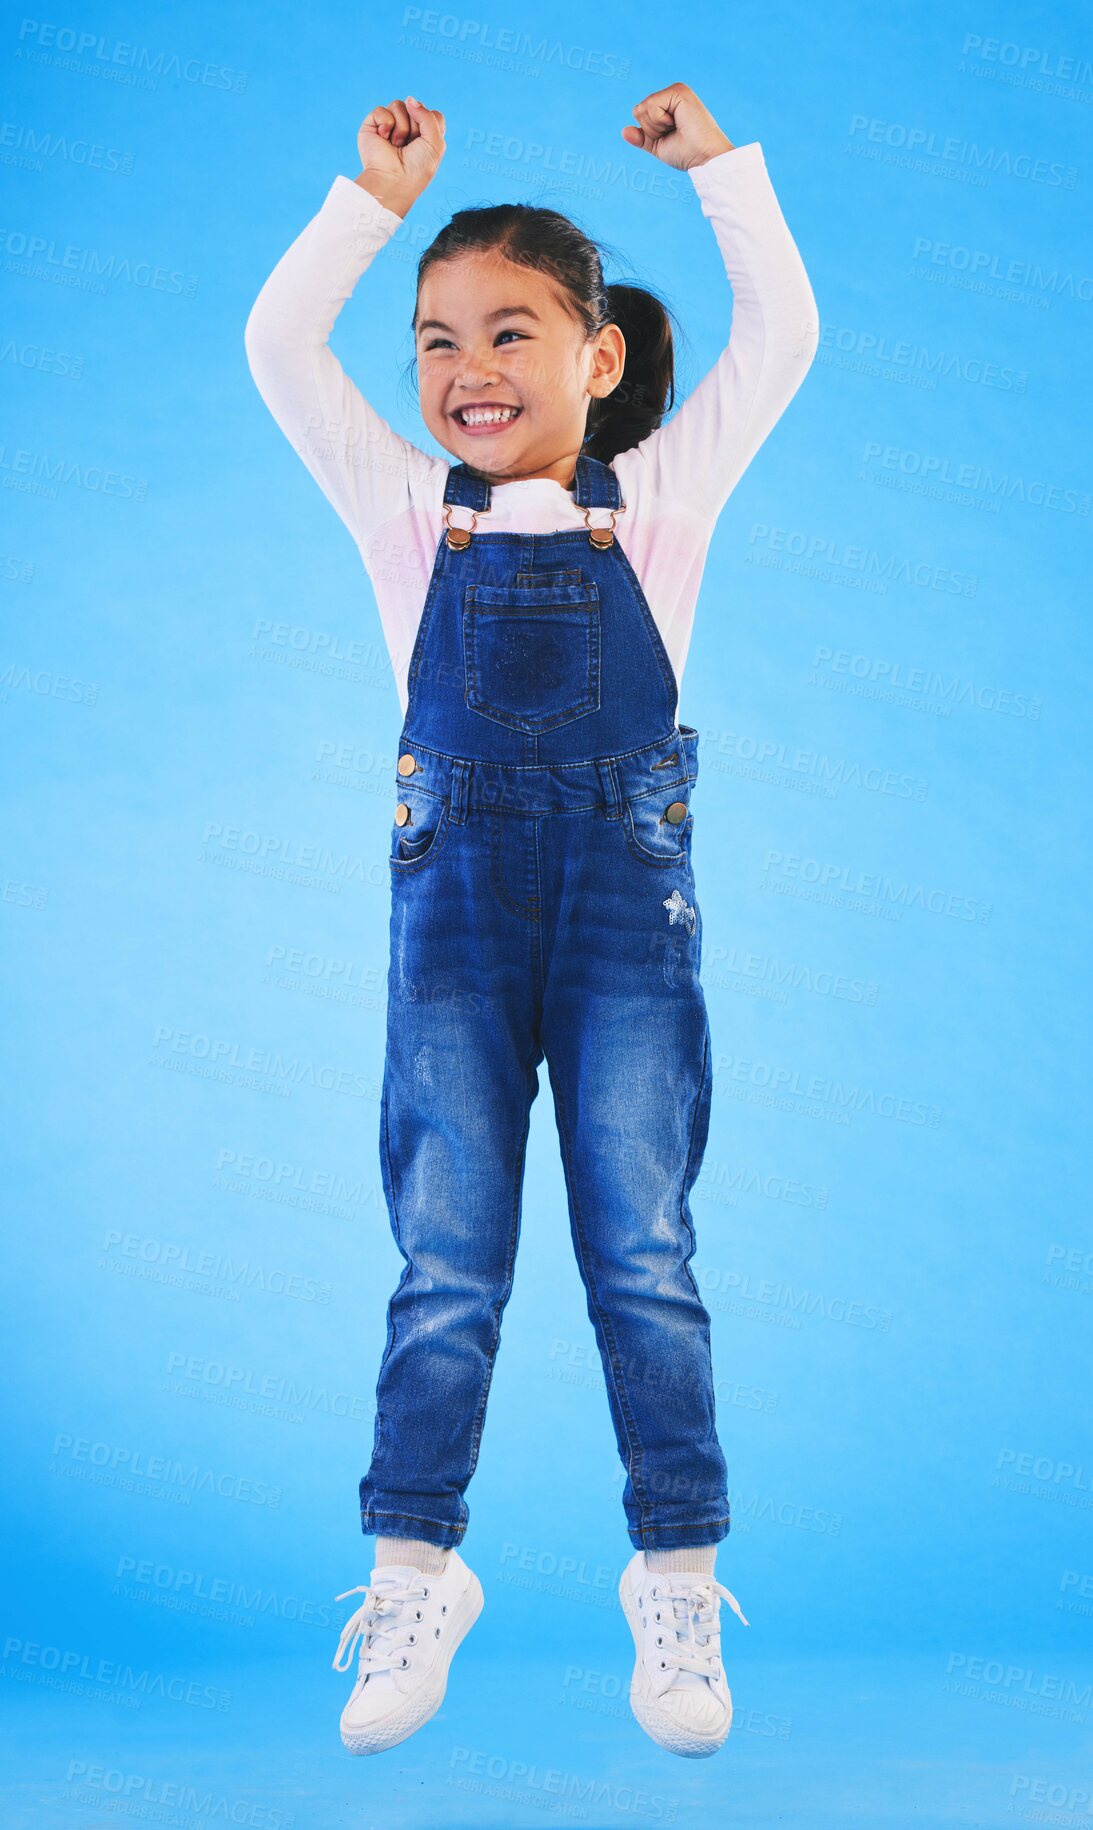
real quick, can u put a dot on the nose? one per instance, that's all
(479, 371)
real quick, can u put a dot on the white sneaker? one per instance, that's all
(409, 1625)
(679, 1692)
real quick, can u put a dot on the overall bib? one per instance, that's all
(543, 903)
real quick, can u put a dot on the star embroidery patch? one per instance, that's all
(678, 910)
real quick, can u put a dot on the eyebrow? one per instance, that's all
(503, 311)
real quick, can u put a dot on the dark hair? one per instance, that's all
(550, 243)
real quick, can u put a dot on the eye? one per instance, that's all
(446, 343)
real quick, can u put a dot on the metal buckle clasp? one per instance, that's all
(459, 538)
(602, 537)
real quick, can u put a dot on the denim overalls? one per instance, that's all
(542, 902)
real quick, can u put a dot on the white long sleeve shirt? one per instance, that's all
(674, 483)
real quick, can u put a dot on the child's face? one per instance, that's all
(490, 333)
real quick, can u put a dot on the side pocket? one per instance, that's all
(419, 828)
(658, 825)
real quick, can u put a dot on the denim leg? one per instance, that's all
(459, 1081)
(627, 1041)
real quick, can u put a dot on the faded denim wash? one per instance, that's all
(542, 904)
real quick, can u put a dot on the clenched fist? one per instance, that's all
(676, 127)
(401, 147)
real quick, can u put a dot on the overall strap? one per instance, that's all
(597, 486)
(466, 489)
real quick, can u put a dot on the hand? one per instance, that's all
(676, 127)
(400, 147)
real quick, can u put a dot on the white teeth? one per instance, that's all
(482, 416)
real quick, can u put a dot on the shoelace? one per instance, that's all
(698, 1654)
(377, 1619)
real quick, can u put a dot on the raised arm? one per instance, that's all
(699, 455)
(364, 467)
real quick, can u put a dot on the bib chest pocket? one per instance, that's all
(531, 652)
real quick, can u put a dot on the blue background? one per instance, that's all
(889, 672)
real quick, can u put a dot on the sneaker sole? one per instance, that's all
(425, 1702)
(643, 1699)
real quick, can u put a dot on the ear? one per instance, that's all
(608, 361)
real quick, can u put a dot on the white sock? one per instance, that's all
(429, 1558)
(697, 1557)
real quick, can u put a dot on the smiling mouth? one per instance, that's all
(486, 419)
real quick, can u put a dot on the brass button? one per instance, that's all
(676, 812)
(402, 814)
(407, 763)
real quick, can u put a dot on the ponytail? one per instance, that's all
(646, 389)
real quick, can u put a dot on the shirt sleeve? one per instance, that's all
(364, 467)
(699, 455)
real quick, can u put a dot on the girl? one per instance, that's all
(542, 896)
